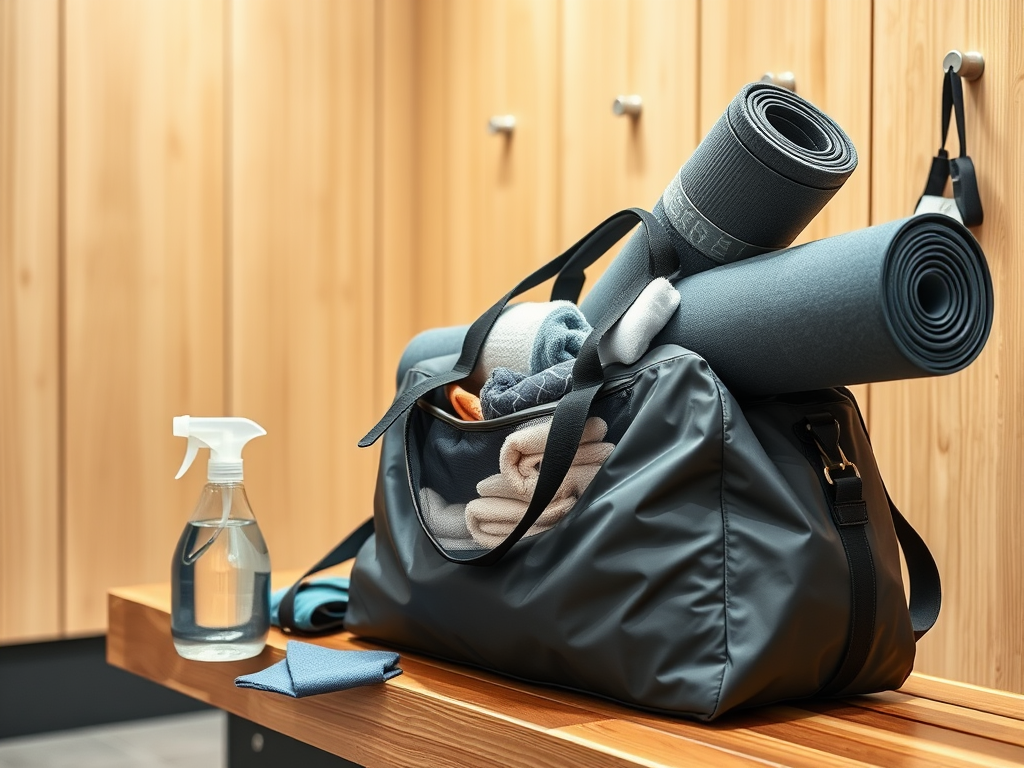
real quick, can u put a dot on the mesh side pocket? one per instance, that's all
(472, 482)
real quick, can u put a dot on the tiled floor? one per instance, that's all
(183, 741)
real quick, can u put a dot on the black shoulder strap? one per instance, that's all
(925, 585)
(346, 550)
(662, 261)
(849, 511)
(570, 415)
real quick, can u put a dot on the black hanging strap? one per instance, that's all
(961, 168)
(939, 173)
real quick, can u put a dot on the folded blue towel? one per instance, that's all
(307, 670)
(320, 605)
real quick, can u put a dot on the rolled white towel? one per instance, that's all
(628, 340)
(511, 340)
(530, 337)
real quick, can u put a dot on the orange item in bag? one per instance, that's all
(466, 404)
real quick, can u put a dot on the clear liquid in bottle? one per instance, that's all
(220, 601)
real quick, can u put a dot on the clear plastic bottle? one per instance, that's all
(220, 572)
(220, 599)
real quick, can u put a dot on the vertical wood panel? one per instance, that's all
(303, 333)
(827, 45)
(951, 447)
(144, 276)
(612, 47)
(29, 295)
(396, 162)
(474, 212)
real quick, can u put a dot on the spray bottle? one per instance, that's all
(220, 574)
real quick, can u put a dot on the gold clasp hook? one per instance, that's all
(830, 466)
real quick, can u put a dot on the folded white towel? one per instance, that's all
(494, 518)
(504, 497)
(522, 452)
(511, 487)
(628, 340)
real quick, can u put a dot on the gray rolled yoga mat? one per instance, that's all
(763, 171)
(901, 300)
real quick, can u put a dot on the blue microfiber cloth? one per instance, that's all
(308, 669)
(319, 605)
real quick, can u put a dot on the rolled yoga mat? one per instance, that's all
(765, 169)
(901, 300)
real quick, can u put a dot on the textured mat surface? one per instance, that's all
(901, 300)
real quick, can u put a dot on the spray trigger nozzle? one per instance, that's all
(225, 437)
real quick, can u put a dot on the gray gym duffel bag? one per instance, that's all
(725, 554)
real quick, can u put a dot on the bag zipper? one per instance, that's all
(610, 387)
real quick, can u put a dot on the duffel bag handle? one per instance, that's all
(570, 415)
(662, 262)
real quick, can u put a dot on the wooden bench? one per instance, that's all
(438, 714)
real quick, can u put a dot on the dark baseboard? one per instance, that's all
(68, 684)
(253, 746)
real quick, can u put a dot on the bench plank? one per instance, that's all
(950, 716)
(965, 695)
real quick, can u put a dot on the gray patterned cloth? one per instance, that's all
(508, 392)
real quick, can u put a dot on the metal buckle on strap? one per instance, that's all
(831, 466)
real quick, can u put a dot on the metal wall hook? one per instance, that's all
(970, 65)
(785, 80)
(628, 105)
(502, 124)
